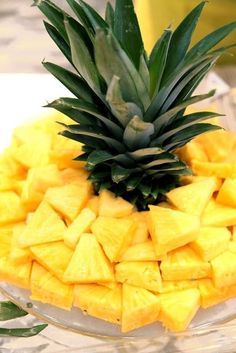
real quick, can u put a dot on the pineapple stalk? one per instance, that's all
(129, 108)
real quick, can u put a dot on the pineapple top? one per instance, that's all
(129, 108)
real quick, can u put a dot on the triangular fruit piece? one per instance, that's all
(183, 264)
(141, 274)
(54, 256)
(227, 193)
(44, 226)
(99, 301)
(5, 240)
(171, 229)
(193, 198)
(18, 275)
(19, 255)
(175, 286)
(141, 233)
(224, 269)
(46, 288)
(179, 308)
(112, 206)
(140, 307)
(80, 225)
(210, 295)
(219, 215)
(89, 263)
(211, 242)
(140, 252)
(11, 210)
(114, 235)
(69, 199)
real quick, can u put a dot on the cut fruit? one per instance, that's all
(189, 179)
(140, 274)
(48, 289)
(55, 257)
(171, 229)
(219, 216)
(140, 308)
(192, 151)
(115, 235)
(141, 233)
(93, 204)
(179, 308)
(184, 264)
(6, 233)
(140, 252)
(224, 269)
(11, 210)
(221, 170)
(99, 301)
(193, 198)
(74, 176)
(18, 275)
(112, 206)
(227, 193)
(210, 295)
(211, 242)
(175, 286)
(89, 263)
(44, 226)
(80, 225)
(69, 199)
(17, 254)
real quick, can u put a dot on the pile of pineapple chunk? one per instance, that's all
(70, 247)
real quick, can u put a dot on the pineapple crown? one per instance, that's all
(129, 108)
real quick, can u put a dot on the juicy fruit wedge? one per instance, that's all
(142, 274)
(114, 235)
(171, 229)
(112, 206)
(224, 269)
(101, 302)
(89, 263)
(178, 308)
(218, 215)
(11, 210)
(194, 197)
(48, 289)
(211, 242)
(175, 286)
(141, 233)
(227, 193)
(93, 204)
(192, 151)
(5, 240)
(221, 170)
(44, 226)
(210, 295)
(17, 254)
(140, 252)
(184, 264)
(18, 275)
(54, 256)
(140, 307)
(80, 225)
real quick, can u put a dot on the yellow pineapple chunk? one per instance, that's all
(9, 166)
(234, 234)
(55, 257)
(99, 301)
(232, 246)
(17, 274)
(17, 254)
(218, 169)
(115, 235)
(183, 264)
(175, 286)
(88, 263)
(140, 252)
(192, 198)
(211, 242)
(80, 225)
(179, 308)
(192, 150)
(218, 215)
(189, 179)
(93, 204)
(7, 183)
(69, 199)
(227, 193)
(141, 233)
(11, 210)
(74, 175)
(44, 226)
(224, 269)
(171, 229)
(39, 179)
(5, 240)
(46, 288)
(210, 295)
(140, 308)
(112, 206)
(145, 274)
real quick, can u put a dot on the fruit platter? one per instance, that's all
(118, 211)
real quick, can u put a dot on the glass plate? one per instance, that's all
(216, 322)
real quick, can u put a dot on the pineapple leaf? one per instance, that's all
(137, 133)
(144, 72)
(9, 311)
(127, 31)
(22, 332)
(87, 140)
(157, 61)
(71, 81)
(123, 111)
(110, 15)
(146, 152)
(82, 58)
(59, 41)
(209, 41)
(119, 173)
(95, 19)
(181, 39)
(133, 182)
